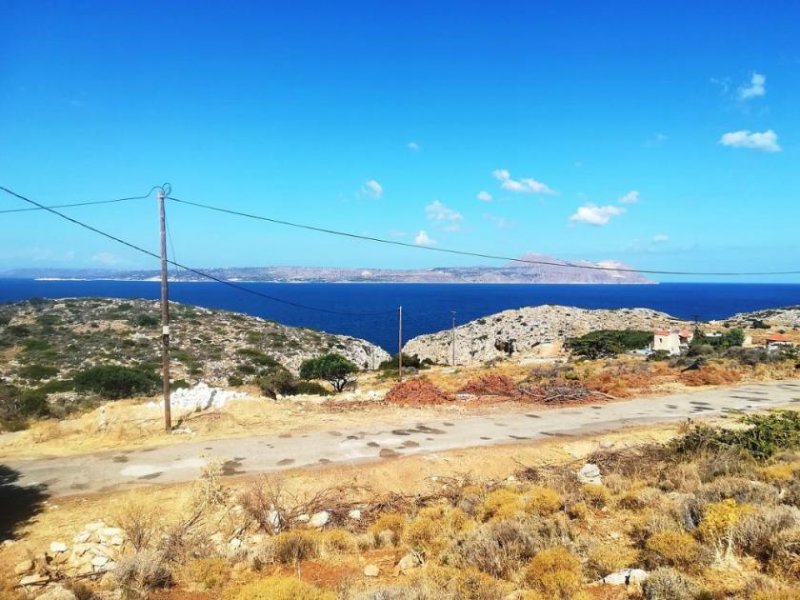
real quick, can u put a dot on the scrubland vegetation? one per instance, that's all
(714, 514)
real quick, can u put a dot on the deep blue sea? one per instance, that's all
(426, 307)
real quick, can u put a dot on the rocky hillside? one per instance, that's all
(47, 339)
(526, 328)
(774, 318)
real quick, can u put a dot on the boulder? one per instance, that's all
(408, 562)
(590, 473)
(57, 592)
(26, 566)
(625, 577)
(35, 579)
(100, 561)
(57, 547)
(354, 514)
(319, 519)
(371, 571)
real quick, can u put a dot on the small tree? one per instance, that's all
(334, 368)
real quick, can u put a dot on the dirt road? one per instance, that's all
(382, 441)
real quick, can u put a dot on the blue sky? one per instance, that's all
(662, 135)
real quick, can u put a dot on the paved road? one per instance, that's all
(106, 471)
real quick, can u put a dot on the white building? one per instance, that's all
(672, 340)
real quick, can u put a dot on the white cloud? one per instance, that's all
(766, 141)
(105, 258)
(499, 222)
(660, 238)
(413, 146)
(631, 197)
(422, 239)
(484, 196)
(372, 189)
(526, 185)
(756, 88)
(656, 140)
(449, 218)
(596, 215)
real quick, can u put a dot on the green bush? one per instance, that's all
(333, 368)
(764, 436)
(312, 388)
(37, 372)
(276, 381)
(412, 361)
(609, 342)
(144, 320)
(114, 381)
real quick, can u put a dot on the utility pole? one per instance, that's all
(164, 313)
(400, 344)
(453, 313)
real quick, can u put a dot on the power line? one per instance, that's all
(93, 203)
(190, 269)
(474, 254)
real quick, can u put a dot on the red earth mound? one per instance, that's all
(417, 392)
(491, 384)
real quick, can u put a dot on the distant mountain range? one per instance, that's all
(558, 271)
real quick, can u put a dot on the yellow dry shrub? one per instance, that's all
(464, 584)
(208, 574)
(289, 547)
(578, 510)
(279, 588)
(554, 572)
(719, 518)
(394, 522)
(780, 473)
(776, 595)
(674, 549)
(608, 558)
(595, 494)
(500, 504)
(540, 500)
(338, 541)
(433, 529)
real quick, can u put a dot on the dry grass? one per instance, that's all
(479, 538)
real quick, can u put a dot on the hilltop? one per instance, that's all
(49, 339)
(557, 271)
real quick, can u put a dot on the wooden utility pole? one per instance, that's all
(164, 314)
(453, 336)
(400, 345)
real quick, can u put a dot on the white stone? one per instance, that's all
(354, 514)
(57, 592)
(590, 473)
(408, 562)
(304, 518)
(100, 561)
(274, 520)
(235, 544)
(319, 519)
(371, 571)
(625, 577)
(33, 580)
(57, 547)
(26, 566)
(82, 537)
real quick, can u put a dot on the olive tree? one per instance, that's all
(334, 368)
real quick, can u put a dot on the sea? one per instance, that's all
(426, 307)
